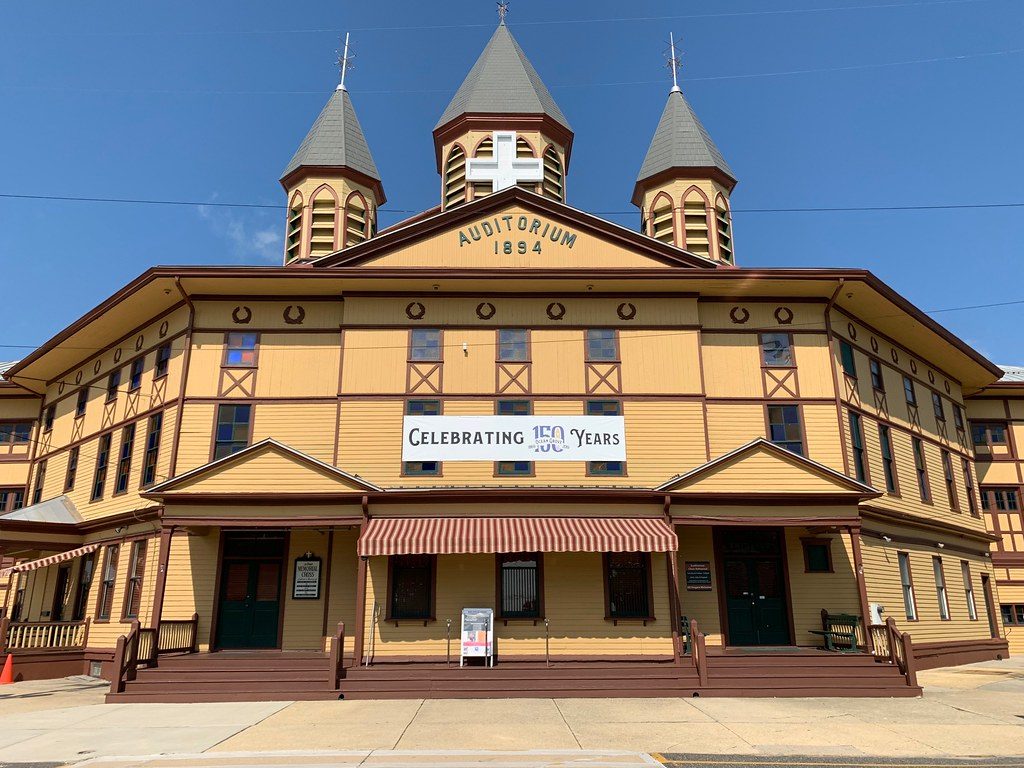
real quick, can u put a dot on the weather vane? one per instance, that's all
(674, 61)
(502, 11)
(344, 62)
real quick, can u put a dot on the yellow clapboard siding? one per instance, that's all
(747, 471)
(191, 574)
(557, 361)
(732, 365)
(835, 592)
(370, 439)
(374, 361)
(298, 365)
(196, 440)
(307, 427)
(656, 362)
(303, 618)
(469, 370)
(731, 425)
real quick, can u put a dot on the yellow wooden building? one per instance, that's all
(207, 489)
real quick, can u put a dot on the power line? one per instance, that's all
(277, 207)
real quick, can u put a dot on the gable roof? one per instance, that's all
(192, 481)
(418, 228)
(681, 141)
(60, 510)
(819, 478)
(335, 140)
(502, 81)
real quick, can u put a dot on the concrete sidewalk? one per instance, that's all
(976, 710)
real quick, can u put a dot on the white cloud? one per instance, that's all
(250, 235)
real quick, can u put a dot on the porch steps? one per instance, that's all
(208, 677)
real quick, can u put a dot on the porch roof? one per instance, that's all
(42, 562)
(486, 535)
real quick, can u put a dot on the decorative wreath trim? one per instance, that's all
(241, 315)
(739, 315)
(556, 310)
(297, 318)
(485, 310)
(414, 310)
(626, 310)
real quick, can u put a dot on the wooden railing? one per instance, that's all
(143, 645)
(43, 635)
(894, 647)
(126, 659)
(178, 635)
(699, 652)
(337, 661)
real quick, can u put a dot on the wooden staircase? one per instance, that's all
(231, 676)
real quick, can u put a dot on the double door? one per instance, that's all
(756, 598)
(249, 607)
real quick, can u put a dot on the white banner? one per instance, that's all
(514, 438)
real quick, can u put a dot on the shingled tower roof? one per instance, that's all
(503, 81)
(336, 140)
(681, 142)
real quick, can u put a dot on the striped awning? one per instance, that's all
(481, 535)
(42, 562)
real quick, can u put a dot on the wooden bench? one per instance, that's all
(839, 631)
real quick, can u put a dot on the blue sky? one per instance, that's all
(206, 102)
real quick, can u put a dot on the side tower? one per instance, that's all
(684, 184)
(333, 185)
(501, 129)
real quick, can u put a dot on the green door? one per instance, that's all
(755, 588)
(250, 597)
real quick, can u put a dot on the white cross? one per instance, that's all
(504, 169)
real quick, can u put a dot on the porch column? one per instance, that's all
(357, 649)
(327, 584)
(862, 589)
(166, 536)
(673, 604)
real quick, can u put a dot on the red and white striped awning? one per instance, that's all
(482, 535)
(42, 562)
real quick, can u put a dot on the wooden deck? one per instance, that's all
(285, 676)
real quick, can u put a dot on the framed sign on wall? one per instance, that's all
(306, 577)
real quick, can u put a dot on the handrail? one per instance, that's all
(700, 652)
(547, 642)
(43, 635)
(337, 661)
(126, 659)
(896, 648)
(448, 644)
(372, 645)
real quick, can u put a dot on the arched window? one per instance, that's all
(356, 217)
(484, 149)
(455, 178)
(293, 230)
(695, 213)
(321, 231)
(663, 226)
(553, 181)
(723, 219)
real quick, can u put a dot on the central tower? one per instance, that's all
(502, 128)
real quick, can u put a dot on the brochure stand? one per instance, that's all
(477, 635)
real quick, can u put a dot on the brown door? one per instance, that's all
(60, 592)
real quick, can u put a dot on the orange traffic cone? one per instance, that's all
(7, 676)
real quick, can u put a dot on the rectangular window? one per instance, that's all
(48, 416)
(972, 606)
(940, 588)
(605, 408)
(848, 360)
(922, 470)
(106, 599)
(232, 429)
(784, 427)
(85, 574)
(156, 425)
(888, 462)
(163, 359)
(947, 475)
(602, 345)
(422, 408)
(37, 491)
(124, 462)
(1012, 614)
(15, 433)
(69, 477)
(958, 416)
(513, 345)
(99, 478)
(817, 555)
(777, 350)
(857, 441)
(513, 408)
(133, 589)
(909, 392)
(82, 402)
(988, 433)
(940, 412)
(425, 345)
(135, 374)
(240, 349)
(999, 499)
(877, 378)
(627, 580)
(113, 382)
(907, 582)
(972, 505)
(412, 587)
(519, 579)
(11, 499)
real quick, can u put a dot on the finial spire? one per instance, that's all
(344, 63)
(674, 63)
(502, 11)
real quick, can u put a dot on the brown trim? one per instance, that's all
(832, 341)
(947, 653)
(928, 544)
(185, 364)
(327, 581)
(166, 541)
(139, 551)
(100, 593)
(991, 610)
(360, 628)
(825, 541)
(862, 588)
(184, 521)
